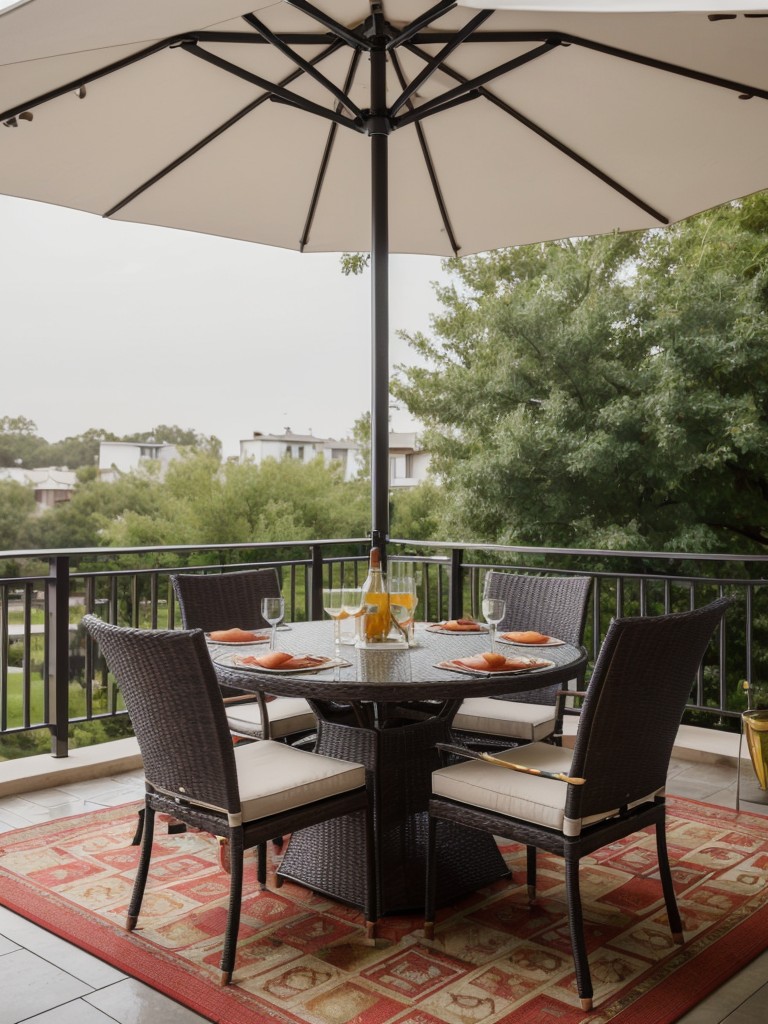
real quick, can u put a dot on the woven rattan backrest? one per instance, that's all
(555, 605)
(224, 600)
(635, 701)
(175, 706)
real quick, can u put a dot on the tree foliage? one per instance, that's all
(604, 392)
(21, 445)
(202, 502)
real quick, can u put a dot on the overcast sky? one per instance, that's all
(122, 326)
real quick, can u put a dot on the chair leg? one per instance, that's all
(429, 899)
(576, 925)
(530, 875)
(139, 884)
(371, 896)
(261, 868)
(235, 901)
(139, 827)
(665, 873)
(175, 827)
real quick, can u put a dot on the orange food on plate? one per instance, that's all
(234, 636)
(461, 625)
(274, 659)
(526, 636)
(495, 660)
(280, 659)
(479, 662)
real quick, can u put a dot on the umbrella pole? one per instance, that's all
(379, 134)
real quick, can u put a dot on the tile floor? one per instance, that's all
(47, 981)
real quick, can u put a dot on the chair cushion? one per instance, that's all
(513, 794)
(517, 795)
(512, 719)
(287, 715)
(274, 777)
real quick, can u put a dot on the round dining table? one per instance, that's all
(387, 709)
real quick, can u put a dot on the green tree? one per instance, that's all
(20, 444)
(17, 506)
(202, 502)
(605, 391)
(81, 450)
(361, 432)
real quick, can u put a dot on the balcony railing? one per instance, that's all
(50, 680)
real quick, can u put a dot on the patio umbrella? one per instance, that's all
(384, 125)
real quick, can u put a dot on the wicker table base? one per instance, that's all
(399, 757)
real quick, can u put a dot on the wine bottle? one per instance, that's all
(375, 601)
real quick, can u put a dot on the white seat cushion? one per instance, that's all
(287, 715)
(275, 777)
(516, 794)
(514, 720)
(506, 792)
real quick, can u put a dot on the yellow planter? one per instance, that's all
(756, 731)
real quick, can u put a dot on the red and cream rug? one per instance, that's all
(303, 958)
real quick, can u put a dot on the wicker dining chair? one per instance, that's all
(244, 795)
(631, 713)
(221, 601)
(555, 606)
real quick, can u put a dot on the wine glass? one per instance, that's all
(273, 610)
(403, 599)
(494, 610)
(333, 608)
(352, 605)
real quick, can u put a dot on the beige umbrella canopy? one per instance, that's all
(384, 126)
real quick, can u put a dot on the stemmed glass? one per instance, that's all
(273, 610)
(403, 598)
(352, 604)
(333, 608)
(494, 610)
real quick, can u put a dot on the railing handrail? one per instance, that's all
(626, 582)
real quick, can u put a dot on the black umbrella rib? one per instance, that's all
(456, 40)
(91, 76)
(421, 22)
(326, 83)
(340, 31)
(429, 163)
(473, 84)
(274, 91)
(552, 141)
(502, 36)
(159, 175)
(325, 160)
(662, 65)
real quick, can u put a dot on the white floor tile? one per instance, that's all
(77, 1012)
(130, 1002)
(30, 985)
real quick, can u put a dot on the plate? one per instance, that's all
(535, 663)
(262, 639)
(437, 627)
(235, 661)
(551, 642)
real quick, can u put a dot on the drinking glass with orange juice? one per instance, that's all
(403, 598)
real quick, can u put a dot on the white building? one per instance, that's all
(304, 447)
(408, 462)
(119, 457)
(52, 484)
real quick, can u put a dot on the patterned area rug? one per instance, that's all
(304, 958)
